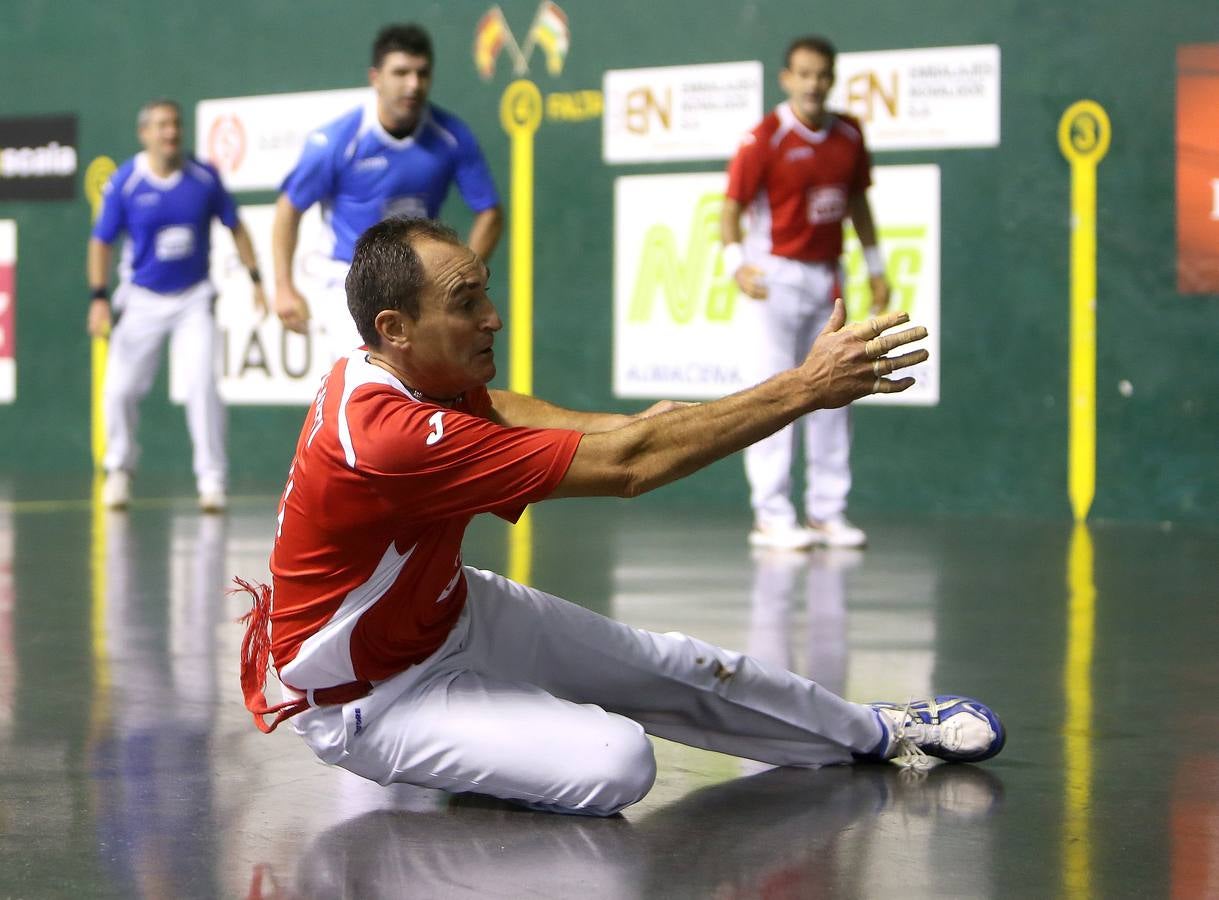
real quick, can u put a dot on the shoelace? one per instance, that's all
(910, 755)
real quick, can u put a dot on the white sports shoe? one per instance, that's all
(212, 501)
(116, 491)
(782, 537)
(837, 532)
(949, 726)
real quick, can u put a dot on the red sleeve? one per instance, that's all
(747, 169)
(434, 463)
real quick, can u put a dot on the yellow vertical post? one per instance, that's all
(96, 176)
(1083, 138)
(521, 115)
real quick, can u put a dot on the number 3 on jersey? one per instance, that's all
(437, 422)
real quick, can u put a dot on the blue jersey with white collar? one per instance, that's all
(361, 174)
(168, 221)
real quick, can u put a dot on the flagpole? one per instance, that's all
(530, 40)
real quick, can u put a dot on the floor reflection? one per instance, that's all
(780, 833)
(156, 686)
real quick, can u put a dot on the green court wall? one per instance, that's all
(997, 441)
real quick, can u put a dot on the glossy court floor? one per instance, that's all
(128, 767)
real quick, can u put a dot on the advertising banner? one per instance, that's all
(261, 362)
(38, 158)
(681, 327)
(8, 311)
(679, 112)
(1198, 169)
(255, 141)
(932, 98)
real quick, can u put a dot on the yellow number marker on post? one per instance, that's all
(1083, 137)
(520, 112)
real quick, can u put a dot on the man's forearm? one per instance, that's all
(520, 410)
(730, 222)
(97, 264)
(860, 212)
(652, 452)
(485, 232)
(245, 248)
(284, 234)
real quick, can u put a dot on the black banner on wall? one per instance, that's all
(38, 158)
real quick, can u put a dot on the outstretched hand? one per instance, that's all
(848, 361)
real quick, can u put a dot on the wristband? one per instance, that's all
(875, 262)
(99, 293)
(255, 275)
(733, 258)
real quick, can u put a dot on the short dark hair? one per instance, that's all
(814, 42)
(387, 273)
(406, 38)
(145, 113)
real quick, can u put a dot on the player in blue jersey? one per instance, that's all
(396, 156)
(164, 201)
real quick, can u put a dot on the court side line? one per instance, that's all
(84, 503)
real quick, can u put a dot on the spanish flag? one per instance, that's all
(551, 33)
(489, 41)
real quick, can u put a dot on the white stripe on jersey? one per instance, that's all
(325, 656)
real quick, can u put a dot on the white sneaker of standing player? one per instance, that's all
(781, 537)
(116, 490)
(950, 727)
(836, 532)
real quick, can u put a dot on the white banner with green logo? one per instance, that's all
(679, 329)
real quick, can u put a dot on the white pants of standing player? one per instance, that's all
(537, 700)
(800, 298)
(331, 328)
(145, 320)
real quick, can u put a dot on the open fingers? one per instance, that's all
(877, 324)
(879, 346)
(891, 385)
(887, 364)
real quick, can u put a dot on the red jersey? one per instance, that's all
(795, 182)
(367, 572)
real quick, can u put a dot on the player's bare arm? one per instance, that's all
(290, 306)
(97, 271)
(245, 252)
(749, 279)
(845, 363)
(520, 410)
(860, 212)
(485, 232)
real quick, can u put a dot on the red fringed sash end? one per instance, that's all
(255, 657)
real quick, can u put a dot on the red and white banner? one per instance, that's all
(255, 141)
(1198, 169)
(8, 310)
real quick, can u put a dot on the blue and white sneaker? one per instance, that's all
(950, 727)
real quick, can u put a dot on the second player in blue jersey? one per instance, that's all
(398, 155)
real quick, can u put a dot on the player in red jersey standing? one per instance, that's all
(797, 176)
(400, 664)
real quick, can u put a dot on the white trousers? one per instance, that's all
(536, 700)
(799, 302)
(330, 324)
(146, 319)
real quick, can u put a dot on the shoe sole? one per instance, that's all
(767, 544)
